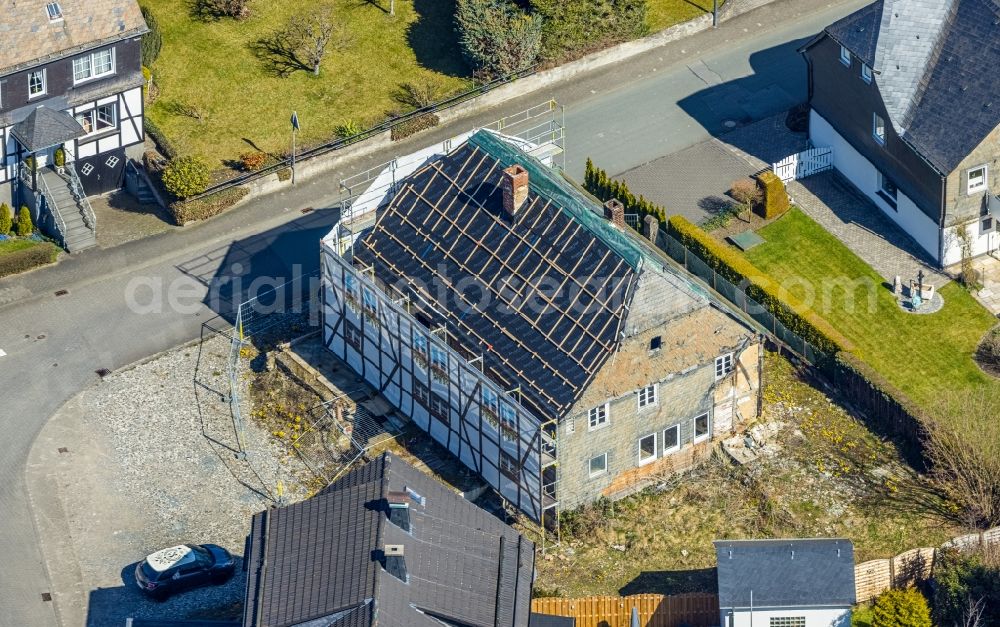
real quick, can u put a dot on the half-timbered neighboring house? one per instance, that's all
(70, 91)
(549, 348)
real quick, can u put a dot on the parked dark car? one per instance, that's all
(183, 567)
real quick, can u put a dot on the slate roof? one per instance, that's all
(29, 37)
(316, 563)
(447, 226)
(929, 58)
(785, 573)
(45, 127)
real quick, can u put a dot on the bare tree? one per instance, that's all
(746, 192)
(973, 615)
(302, 43)
(962, 444)
(217, 9)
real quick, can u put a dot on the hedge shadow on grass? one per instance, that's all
(434, 40)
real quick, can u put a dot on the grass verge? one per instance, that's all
(665, 13)
(923, 355)
(21, 255)
(217, 99)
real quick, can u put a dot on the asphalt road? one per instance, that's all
(624, 115)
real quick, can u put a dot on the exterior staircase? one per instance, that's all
(68, 204)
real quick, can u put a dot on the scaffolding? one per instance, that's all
(538, 131)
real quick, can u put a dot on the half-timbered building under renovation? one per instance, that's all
(550, 348)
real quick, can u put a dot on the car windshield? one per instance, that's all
(149, 572)
(203, 557)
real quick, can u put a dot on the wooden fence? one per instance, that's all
(655, 610)
(876, 576)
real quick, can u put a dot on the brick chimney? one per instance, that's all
(515, 189)
(652, 228)
(614, 211)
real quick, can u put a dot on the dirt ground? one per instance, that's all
(828, 476)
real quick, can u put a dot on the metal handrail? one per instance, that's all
(54, 209)
(76, 187)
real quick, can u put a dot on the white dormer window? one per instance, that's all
(976, 180)
(866, 73)
(845, 56)
(54, 11)
(878, 128)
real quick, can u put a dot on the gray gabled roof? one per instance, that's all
(785, 573)
(45, 127)
(318, 563)
(929, 58)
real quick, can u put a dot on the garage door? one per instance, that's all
(102, 173)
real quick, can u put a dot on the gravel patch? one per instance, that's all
(156, 465)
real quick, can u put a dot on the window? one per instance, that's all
(878, 128)
(976, 180)
(845, 56)
(508, 423)
(490, 408)
(647, 449)
(99, 119)
(36, 83)
(647, 396)
(787, 621)
(701, 427)
(422, 394)
(353, 335)
(866, 73)
(571, 425)
(598, 417)
(598, 465)
(438, 408)
(54, 11)
(671, 439)
(723, 365)
(509, 466)
(655, 343)
(887, 190)
(987, 219)
(439, 364)
(94, 65)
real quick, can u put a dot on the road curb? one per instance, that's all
(49, 518)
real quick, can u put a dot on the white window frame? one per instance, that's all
(93, 116)
(786, 621)
(652, 458)
(845, 56)
(694, 427)
(648, 396)
(724, 365)
(91, 65)
(598, 417)
(665, 450)
(876, 122)
(602, 471)
(45, 86)
(969, 189)
(891, 197)
(866, 73)
(54, 12)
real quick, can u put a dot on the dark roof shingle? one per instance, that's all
(317, 563)
(785, 573)
(928, 56)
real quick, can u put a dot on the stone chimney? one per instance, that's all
(515, 189)
(652, 228)
(614, 211)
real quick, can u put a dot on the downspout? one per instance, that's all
(944, 188)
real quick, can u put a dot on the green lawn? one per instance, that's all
(210, 66)
(924, 355)
(10, 245)
(664, 13)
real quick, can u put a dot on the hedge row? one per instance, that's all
(597, 182)
(167, 149)
(27, 259)
(409, 127)
(786, 307)
(775, 201)
(208, 206)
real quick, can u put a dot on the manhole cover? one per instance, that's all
(63, 449)
(46, 596)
